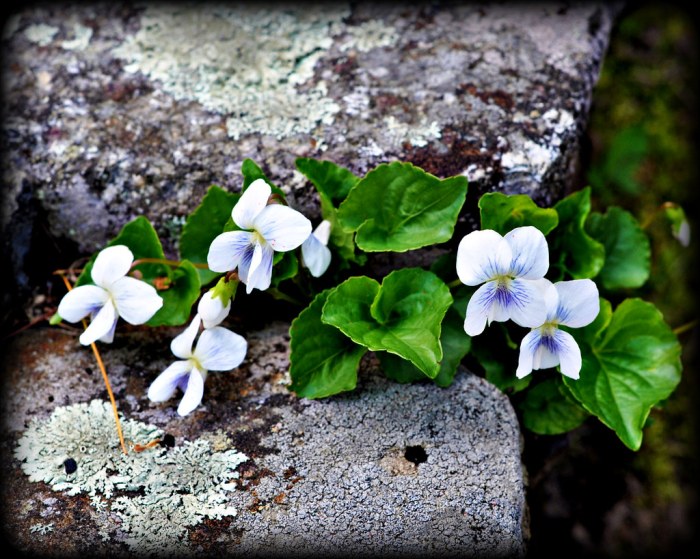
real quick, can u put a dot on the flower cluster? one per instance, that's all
(265, 228)
(510, 270)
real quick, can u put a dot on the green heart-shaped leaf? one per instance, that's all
(547, 410)
(252, 172)
(627, 248)
(578, 253)
(503, 213)
(203, 225)
(331, 181)
(402, 316)
(182, 292)
(323, 360)
(399, 207)
(455, 345)
(632, 364)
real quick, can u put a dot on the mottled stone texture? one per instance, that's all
(114, 111)
(385, 470)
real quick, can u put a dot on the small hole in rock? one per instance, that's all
(415, 454)
(70, 465)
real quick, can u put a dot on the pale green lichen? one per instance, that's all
(252, 63)
(243, 61)
(81, 40)
(41, 34)
(177, 488)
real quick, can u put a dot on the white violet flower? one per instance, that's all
(212, 309)
(572, 303)
(217, 349)
(314, 250)
(506, 265)
(266, 229)
(114, 294)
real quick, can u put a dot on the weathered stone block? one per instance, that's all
(385, 470)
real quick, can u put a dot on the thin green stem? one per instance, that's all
(455, 283)
(166, 262)
(685, 327)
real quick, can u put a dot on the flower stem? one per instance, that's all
(455, 283)
(685, 327)
(106, 379)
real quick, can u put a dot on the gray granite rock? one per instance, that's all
(385, 470)
(118, 110)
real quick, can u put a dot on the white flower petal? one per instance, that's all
(478, 308)
(136, 300)
(530, 252)
(219, 349)
(181, 346)
(212, 310)
(481, 256)
(193, 392)
(251, 203)
(547, 354)
(315, 255)
(111, 264)
(108, 338)
(528, 347)
(569, 354)
(164, 386)
(244, 265)
(228, 249)
(525, 303)
(81, 301)
(323, 232)
(281, 226)
(100, 325)
(579, 302)
(260, 273)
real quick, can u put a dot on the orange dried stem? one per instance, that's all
(104, 376)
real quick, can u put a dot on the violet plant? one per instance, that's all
(529, 291)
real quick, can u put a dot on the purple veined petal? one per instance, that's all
(315, 256)
(181, 346)
(282, 227)
(569, 354)
(82, 301)
(193, 392)
(136, 300)
(547, 353)
(528, 346)
(260, 273)
(530, 252)
(323, 232)
(164, 386)
(244, 265)
(228, 249)
(251, 203)
(479, 307)
(481, 256)
(219, 349)
(525, 303)
(578, 302)
(111, 264)
(108, 338)
(101, 324)
(212, 309)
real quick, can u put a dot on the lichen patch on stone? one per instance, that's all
(243, 61)
(174, 489)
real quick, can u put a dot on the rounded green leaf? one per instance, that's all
(455, 345)
(546, 410)
(627, 248)
(323, 360)
(181, 293)
(141, 238)
(252, 172)
(331, 181)
(580, 255)
(399, 207)
(503, 213)
(203, 225)
(632, 364)
(403, 316)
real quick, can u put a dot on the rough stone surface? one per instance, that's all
(118, 110)
(385, 470)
